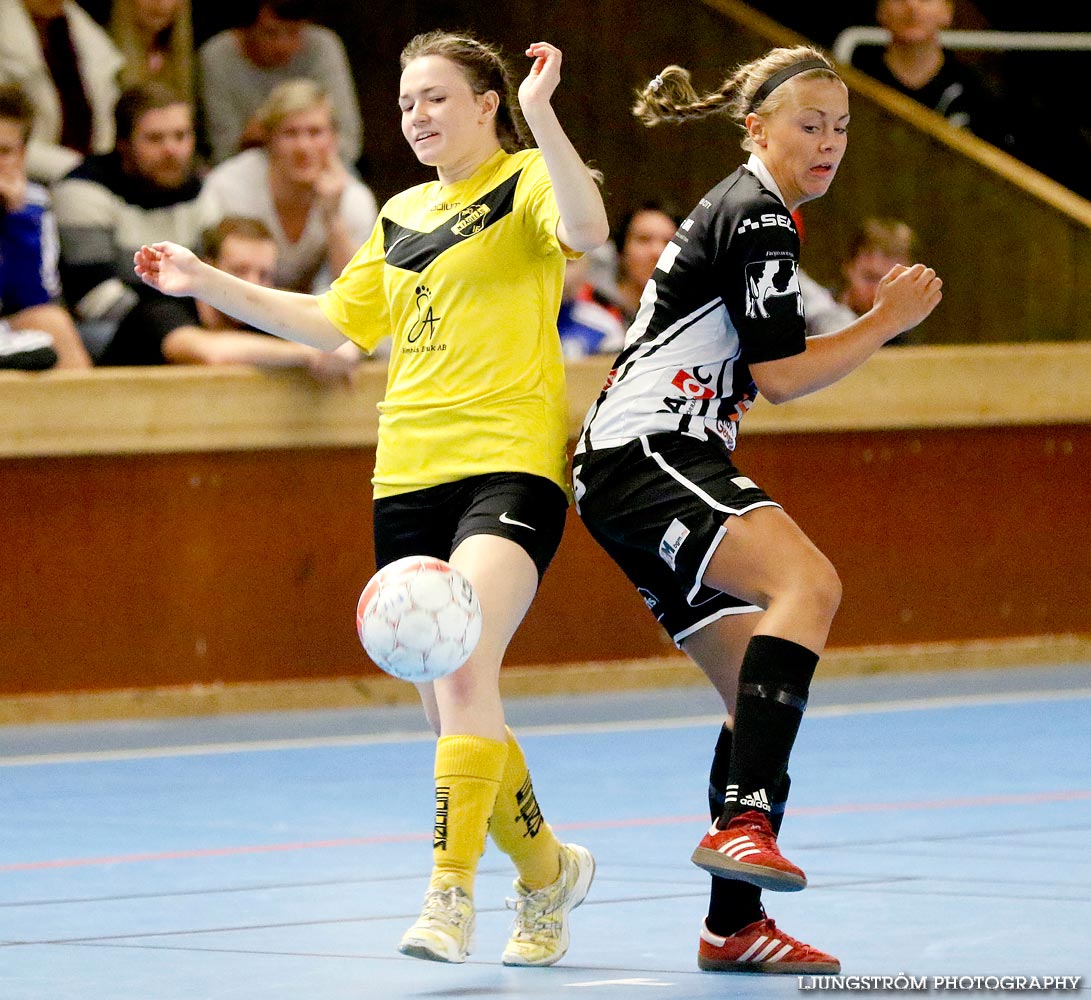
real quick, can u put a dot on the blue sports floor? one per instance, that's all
(944, 821)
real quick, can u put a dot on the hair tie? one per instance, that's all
(655, 84)
(784, 74)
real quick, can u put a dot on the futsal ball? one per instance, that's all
(418, 618)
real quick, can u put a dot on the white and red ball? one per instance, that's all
(418, 618)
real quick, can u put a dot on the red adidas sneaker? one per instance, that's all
(747, 852)
(760, 947)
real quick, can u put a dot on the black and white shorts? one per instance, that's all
(658, 506)
(527, 509)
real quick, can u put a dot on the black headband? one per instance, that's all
(784, 74)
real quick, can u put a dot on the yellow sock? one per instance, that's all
(517, 826)
(468, 771)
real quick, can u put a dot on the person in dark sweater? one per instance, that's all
(114, 202)
(915, 63)
(165, 330)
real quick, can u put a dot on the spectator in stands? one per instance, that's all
(586, 327)
(162, 330)
(68, 67)
(641, 237)
(113, 203)
(915, 63)
(319, 213)
(877, 246)
(36, 331)
(156, 39)
(238, 68)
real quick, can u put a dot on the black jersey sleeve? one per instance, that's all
(757, 261)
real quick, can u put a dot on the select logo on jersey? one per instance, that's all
(764, 221)
(611, 378)
(691, 386)
(772, 287)
(470, 220)
(427, 320)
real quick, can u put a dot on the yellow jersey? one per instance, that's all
(467, 280)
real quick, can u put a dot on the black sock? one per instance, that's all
(717, 775)
(733, 904)
(773, 685)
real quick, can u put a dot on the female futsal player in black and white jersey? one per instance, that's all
(733, 579)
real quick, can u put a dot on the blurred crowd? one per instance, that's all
(122, 133)
(119, 130)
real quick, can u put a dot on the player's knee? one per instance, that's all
(825, 584)
(811, 585)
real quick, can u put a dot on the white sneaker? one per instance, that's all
(444, 932)
(26, 350)
(540, 935)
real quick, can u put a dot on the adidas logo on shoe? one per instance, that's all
(746, 849)
(761, 947)
(756, 800)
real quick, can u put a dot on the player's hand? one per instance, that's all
(170, 268)
(329, 186)
(545, 73)
(907, 295)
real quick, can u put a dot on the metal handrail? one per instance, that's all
(848, 40)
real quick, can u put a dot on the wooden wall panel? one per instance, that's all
(144, 570)
(943, 535)
(151, 570)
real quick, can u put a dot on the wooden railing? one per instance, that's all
(121, 411)
(191, 528)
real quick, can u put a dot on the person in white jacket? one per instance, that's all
(318, 211)
(42, 38)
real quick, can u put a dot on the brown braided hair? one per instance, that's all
(671, 96)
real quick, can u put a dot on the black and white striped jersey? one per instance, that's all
(724, 295)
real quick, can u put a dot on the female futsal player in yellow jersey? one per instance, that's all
(465, 273)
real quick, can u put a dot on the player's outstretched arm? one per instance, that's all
(905, 297)
(174, 270)
(583, 224)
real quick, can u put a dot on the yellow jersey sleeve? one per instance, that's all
(540, 207)
(357, 302)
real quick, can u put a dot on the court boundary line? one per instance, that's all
(939, 702)
(376, 690)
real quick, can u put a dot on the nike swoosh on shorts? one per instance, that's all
(504, 519)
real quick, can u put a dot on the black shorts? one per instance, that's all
(528, 509)
(658, 506)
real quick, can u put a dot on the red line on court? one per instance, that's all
(1029, 798)
(216, 852)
